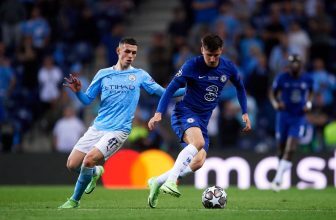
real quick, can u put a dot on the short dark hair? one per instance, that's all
(128, 40)
(212, 42)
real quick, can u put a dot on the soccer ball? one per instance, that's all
(214, 197)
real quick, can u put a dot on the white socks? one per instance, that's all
(182, 161)
(283, 166)
(163, 177)
(185, 172)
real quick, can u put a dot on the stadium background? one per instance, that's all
(44, 40)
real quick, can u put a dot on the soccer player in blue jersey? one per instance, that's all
(119, 90)
(204, 77)
(291, 96)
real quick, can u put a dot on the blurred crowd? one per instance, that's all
(41, 41)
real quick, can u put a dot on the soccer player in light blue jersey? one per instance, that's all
(291, 96)
(204, 77)
(119, 90)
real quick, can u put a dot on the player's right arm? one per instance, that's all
(164, 101)
(275, 94)
(75, 85)
(179, 81)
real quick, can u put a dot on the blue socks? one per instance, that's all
(82, 182)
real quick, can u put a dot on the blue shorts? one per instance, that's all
(184, 118)
(289, 126)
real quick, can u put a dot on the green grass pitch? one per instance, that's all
(41, 202)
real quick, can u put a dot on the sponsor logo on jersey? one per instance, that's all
(201, 77)
(190, 120)
(213, 77)
(118, 88)
(212, 93)
(132, 77)
(223, 78)
(179, 73)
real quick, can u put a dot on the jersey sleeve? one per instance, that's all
(150, 85)
(94, 88)
(239, 85)
(178, 81)
(92, 91)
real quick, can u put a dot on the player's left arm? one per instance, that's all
(153, 88)
(241, 95)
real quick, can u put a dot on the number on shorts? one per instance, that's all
(112, 143)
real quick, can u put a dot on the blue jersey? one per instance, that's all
(203, 88)
(294, 92)
(204, 85)
(119, 94)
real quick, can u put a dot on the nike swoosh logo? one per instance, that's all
(201, 77)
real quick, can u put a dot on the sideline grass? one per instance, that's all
(41, 202)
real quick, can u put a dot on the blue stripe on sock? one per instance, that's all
(82, 182)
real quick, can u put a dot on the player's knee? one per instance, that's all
(89, 160)
(199, 144)
(72, 166)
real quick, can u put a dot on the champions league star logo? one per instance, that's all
(132, 77)
(179, 73)
(223, 78)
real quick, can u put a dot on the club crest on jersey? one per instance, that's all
(223, 78)
(179, 73)
(190, 120)
(132, 77)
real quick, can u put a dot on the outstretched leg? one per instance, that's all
(155, 183)
(85, 176)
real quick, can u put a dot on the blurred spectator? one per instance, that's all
(38, 28)
(181, 56)
(321, 27)
(77, 70)
(178, 26)
(205, 11)
(12, 13)
(247, 44)
(228, 18)
(229, 125)
(298, 39)
(324, 83)
(27, 57)
(159, 60)
(50, 77)
(257, 83)
(67, 131)
(273, 28)
(7, 81)
(279, 55)
(111, 41)
(100, 59)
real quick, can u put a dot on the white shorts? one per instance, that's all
(108, 142)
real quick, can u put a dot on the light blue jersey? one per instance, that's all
(120, 92)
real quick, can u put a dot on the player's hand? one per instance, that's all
(279, 105)
(247, 122)
(308, 106)
(73, 83)
(156, 118)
